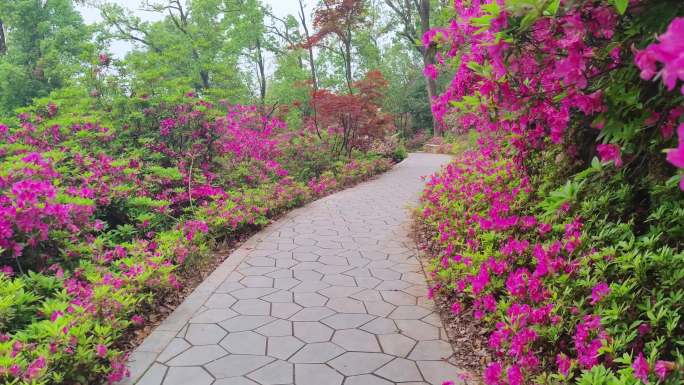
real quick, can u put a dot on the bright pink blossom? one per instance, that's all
(641, 368)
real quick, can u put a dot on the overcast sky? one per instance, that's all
(119, 48)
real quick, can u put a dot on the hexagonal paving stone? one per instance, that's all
(213, 316)
(174, 348)
(245, 343)
(356, 340)
(418, 330)
(379, 308)
(245, 322)
(257, 282)
(284, 310)
(340, 291)
(436, 372)
(278, 296)
(347, 320)
(184, 376)
(252, 292)
(154, 375)
(396, 344)
(198, 355)
(316, 353)
(283, 347)
(220, 301)
(235, 381)
(310, 299)
(276, 328)
(312, 314)
(400, 370)
(354, 363)
(236, 365)
(431, 350)
(252, 307)
(316, 374)
(204, 334)
(312, 331)
(409, 312)
(398, 298)
(346, 305)
(381, 326)
(366, 379)
(275, 373)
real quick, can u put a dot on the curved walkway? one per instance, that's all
(330, 294)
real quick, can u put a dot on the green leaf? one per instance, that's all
(621, 5)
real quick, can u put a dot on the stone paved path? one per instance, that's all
(331, 294)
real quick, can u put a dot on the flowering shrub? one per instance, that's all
(562, 232)
(105, 210)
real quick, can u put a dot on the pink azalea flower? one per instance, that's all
(662, 368)
(599, 292)
(610, 152)
(101, 350)
(641, 368)
(563, 363)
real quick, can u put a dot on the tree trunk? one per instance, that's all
(312, 64)
(3, 43)
(428, 58)
(431, 86)
(262, 73)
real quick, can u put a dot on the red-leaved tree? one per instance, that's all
(355, 119)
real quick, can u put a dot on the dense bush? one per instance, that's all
(563, 233)
(106, 203)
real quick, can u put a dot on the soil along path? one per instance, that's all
(331, 294)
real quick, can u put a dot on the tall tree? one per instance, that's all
(414, 16)
(198, 44)
(336, 22)
(3, 43)
(307, 35)
(41, 46)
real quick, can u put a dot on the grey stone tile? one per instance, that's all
(236, 365)
(316, 353)
(316, 374)
(356, 340)
(204, 334)
(346, 305)
(347, 320)
(277, 328)
(431, 350)
(198, 355)
(220, 301)
(396, 344)
(381, 326)
(154, 375)
(234, 381)
(418, 330)
(245, 322)
(312, 314)
(400, 370)
(174, 348)
(184, 376)
(283, 347)
(310, 299)
(310, 332)
(252, 307)
(409, 312)
(247, 342)
(275, 373)
(366, 379)
(355, 363)
(213, 316)
(437, 372)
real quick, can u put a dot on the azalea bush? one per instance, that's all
(562, 232)
(107, 202)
